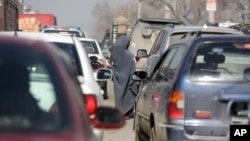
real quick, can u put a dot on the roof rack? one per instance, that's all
(192, 33)
(198, 33)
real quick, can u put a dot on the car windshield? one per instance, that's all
(90, 47)
(30, 98)
(221, 62)
(70, 50)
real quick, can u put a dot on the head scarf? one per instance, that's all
(119, 47)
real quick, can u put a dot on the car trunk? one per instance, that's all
(206, 106)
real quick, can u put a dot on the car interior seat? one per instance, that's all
(210, 65)
(15, 98)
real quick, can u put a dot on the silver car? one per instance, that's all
(94, 50)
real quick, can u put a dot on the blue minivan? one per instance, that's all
(197, 90)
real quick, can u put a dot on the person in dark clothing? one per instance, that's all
(125, 89)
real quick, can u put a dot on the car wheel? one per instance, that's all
(152, 134)
(139, 136)
(136, 127)
(105, 92)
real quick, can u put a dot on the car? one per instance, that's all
(171, 34)
(64, 30)
(94, 50)
(144, 32)
(239, 111)
(189, 92)
(40, 96)
(73, 47)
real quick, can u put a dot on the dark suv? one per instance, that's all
(171, 34)
(144, 33)
(188, 95)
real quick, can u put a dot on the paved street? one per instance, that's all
(124, 134)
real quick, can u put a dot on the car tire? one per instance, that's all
(138, 135)
(105, 92)
(136, 128)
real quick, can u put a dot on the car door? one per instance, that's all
(152, 95)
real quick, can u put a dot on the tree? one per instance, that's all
(190, 11)
(104, 17)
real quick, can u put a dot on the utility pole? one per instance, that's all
(211, 16)
(211, 8)
(139, 8)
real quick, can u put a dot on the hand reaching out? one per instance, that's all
(138, 57)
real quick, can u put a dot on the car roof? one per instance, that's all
(204, 28)
(56, 26)
(46, 48)
(86, 39)
(40, 36)
(158, 20)
(229, 37)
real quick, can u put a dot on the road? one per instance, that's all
(124, 134)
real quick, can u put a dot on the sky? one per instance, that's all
(71, 12)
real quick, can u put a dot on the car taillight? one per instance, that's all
(176, 105)
(90, 103)
(100, 64)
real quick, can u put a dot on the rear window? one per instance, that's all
(90, 47)
(29, 92)
(222, 62)
(70, 50)
(64, 32)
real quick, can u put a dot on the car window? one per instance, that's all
(29, 91)
(63, 32)
(70, 50)
(159, 72)
(90, 47)
(157, 43)
(175, 37)
(170, 64)
(221, 62)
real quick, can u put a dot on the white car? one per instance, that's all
(73, 47)
(93, 49)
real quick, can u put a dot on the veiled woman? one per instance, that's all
(123, 62)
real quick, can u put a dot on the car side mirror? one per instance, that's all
(139, 75)
(142, 52)
(104, 74)
(93, 58)
(108, 118)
